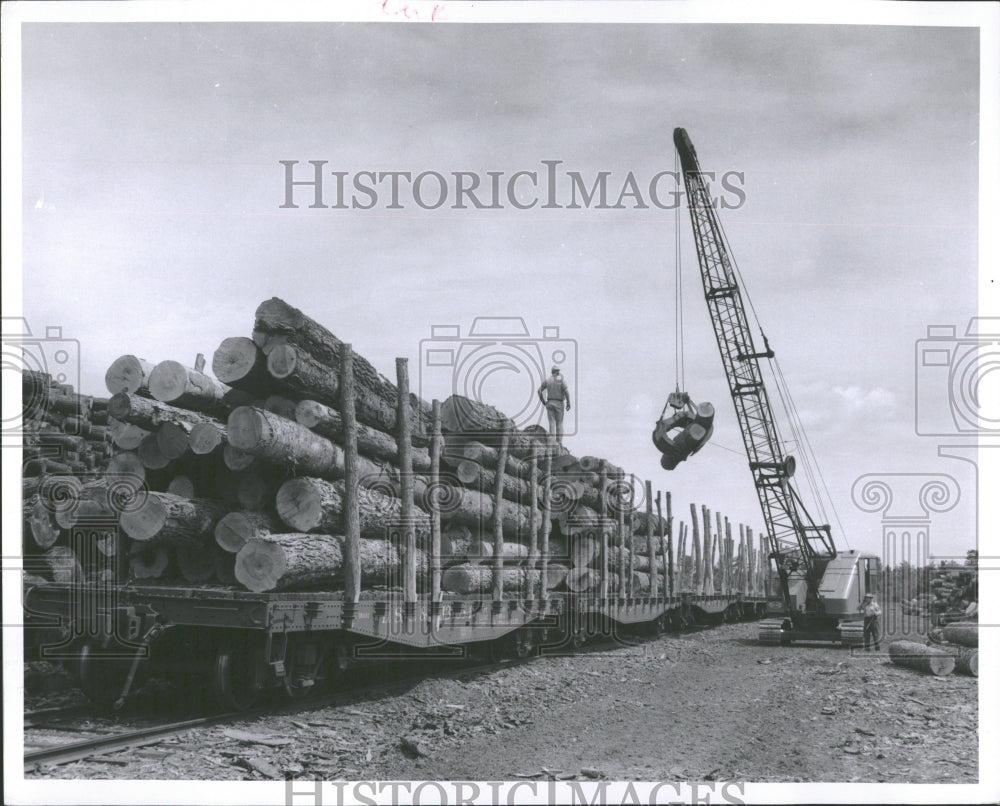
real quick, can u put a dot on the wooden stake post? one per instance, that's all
(498, 518)
(405, 449)
(669, 575)
(533, 524)
(435, 501)
(654, 587)
(624, 541)
(604, 529)
(351, 516)
(696, 550)
(546, 519)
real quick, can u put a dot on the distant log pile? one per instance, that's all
(258, 475)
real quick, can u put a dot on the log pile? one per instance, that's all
(240, 476)
(66, 449)
(960, 639)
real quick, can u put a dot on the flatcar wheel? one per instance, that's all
(102, 676)
(522, 643)
(237, 676)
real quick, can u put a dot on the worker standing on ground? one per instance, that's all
(555, 397)
(871, 611)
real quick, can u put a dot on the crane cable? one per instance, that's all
(791, 411)
(678, 298)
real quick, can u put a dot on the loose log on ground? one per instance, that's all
(309, 504)
(964, 633)
(171, 519)
(299, 561)
(128, 373)
(967, 661)
(235, 528)
(921, 657)
(327, 422)
(466, 579)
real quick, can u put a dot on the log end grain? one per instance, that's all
(127, 373)
(205, 438)
(235, 359)
(168, 381)
(281, 361)
(145, 519)
(921, 657)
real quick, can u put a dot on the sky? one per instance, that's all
(153, 220)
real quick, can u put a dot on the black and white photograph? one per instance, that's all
(414, 402)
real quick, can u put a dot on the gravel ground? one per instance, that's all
(709, 705)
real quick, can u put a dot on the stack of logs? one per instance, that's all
(253, 477)
(66, 446)
(954, 648)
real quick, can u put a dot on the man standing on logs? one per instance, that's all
(872, 611)
(554, 394)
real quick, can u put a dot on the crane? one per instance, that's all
(820, 588)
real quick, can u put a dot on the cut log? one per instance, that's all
(555, 576)
(301, 561)
(277, 323)
(62, 565)
(150, 414)
(466, 579)
(483, 423)
(964, 633)
(254, 490)
(580, 580)
(196, 563)
(45, 530)
(150, 455)
(225, 566)
(206, 437)
(125, 471)
(487, 456)
(280, 405)
(283, 442)
(375, 444)
(967, 661)
(171, 519)
(475, 510)
(239, 362)
(126, 436)
(921, 657)
(510, 552)
(148, 562)
(181, 486)
(172, 382)
(584, 551)
(236, 459)
(172, 439)
(484, 480)
(128, 373)
(235, 528)
(309, 504)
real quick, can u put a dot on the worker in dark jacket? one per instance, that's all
(555, 396)
(871, 610)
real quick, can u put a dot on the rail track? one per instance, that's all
(355, 691)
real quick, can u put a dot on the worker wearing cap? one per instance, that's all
(871, 612)
(555, 396)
